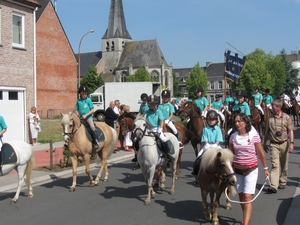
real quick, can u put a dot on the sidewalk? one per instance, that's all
(9, 183)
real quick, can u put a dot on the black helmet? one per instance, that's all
(199, 89)
(218, 96)
(227, 92)
(153, 99)
(256, 88)
(144, 96)
(83, 88)
(242, 93)
(165, 93)
(212, 114)
(267, 90)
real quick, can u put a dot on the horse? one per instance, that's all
(267, 113)
(285, 107)
(18, 155)
(215, 175)
(295, 110)
(80, 145)
(255, 115)
(149, 158)
(196, 123)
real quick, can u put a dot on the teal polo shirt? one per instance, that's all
(143, 108)
(83, 106)
(212, 134)
(201, 103)
(217, 105)
(268, 99)
(2, 124)
(154, 117)
(257, 98)
(244, 108)
(166, 109)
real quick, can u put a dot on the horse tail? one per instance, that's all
(113, 143)
(29, 168)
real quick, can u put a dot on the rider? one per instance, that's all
(217, 105)
(201, 102)
(167, 110)
(211, 137)
(3, 129)
(297, 97)
(286, 99)
(242, 105)
(257, 101)
(144, 106)
(155, 118)
(268, 98)
(228, 100)
(84, 109)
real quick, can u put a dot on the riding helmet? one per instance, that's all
(199, 89)
(153, 99)
(165, 93)
(212, 114)
(242, 93)
(256, 88)
(218, 96)
(144, 96)
(267, 90)
(83, 88)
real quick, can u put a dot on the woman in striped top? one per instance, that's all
(245, 143)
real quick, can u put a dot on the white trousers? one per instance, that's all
(161, 134)
(170, 124)
(260, 109)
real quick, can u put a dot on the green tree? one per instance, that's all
(291, 80)
(141, 75)
(197, 78)
(175, 84)
(92, 80)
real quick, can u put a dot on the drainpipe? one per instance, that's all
(34, 56)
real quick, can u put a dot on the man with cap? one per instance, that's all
(144, 106)
(167, 110)
(156, 119)
(257, 101)
(201, 102)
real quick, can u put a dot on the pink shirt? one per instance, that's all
(244, 150)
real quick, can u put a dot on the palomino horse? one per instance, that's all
(148, 157)
(267, 113)
(295, 110)
(215, 175)
(80, 145)
(196, 123)
(255, 115)
(18, 155)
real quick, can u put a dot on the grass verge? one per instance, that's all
(51, 130)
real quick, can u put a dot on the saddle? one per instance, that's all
(8, 154)
(160, 147)
(89, 132)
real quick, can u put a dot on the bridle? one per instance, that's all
(144, 132)
(223, 175)
(71, 134)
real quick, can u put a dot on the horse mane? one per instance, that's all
(143, 118)
(209, 157)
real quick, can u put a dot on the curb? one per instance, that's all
(54, 176)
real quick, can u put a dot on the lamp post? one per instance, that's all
(91, 31)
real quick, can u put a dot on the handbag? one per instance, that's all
(244, 172)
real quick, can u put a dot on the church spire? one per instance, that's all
(116, 22)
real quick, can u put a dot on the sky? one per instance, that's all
(189, 31)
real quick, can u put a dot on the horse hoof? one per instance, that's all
(215, 222)
(92, 184)
(72, 189)
(172, 192)
(147, 202)
(228, 208)
(13, 201)
(105, 180)
(97, 182)
(30, 196)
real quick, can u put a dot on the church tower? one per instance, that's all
(115, 37)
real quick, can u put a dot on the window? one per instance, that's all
(18, 30)
(12, 95)
(1, 95)
(155, 76)
(211, 98)
(220, 85)
(212, 85)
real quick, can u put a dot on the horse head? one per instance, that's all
(188, 110)
(140, 127)
(70, 123)
(218, 162)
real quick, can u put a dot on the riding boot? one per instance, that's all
(135, 158)
(262, 118)
(167, 151)
(176, 135)
(196, 167)
(136, 146)
(96, 139)
(1, 173)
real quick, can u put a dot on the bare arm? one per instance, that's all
(262, 158)
(291, 147)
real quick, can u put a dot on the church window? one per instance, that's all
(112, 45)
(155, 76)
(107, 46)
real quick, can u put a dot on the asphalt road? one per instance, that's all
(120, 200)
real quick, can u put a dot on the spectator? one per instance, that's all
(117, 107)
(279, 127)
(34, 123)
(110, 115)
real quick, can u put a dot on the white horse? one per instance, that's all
(148, 157)
(23, 153)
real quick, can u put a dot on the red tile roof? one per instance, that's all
(29, 2)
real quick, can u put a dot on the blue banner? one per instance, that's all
(233, 66)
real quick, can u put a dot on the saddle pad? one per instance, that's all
(161, 152)
(8, 154)
(99, 132)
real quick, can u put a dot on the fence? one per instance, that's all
(52, 113)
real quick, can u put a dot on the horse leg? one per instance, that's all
(21, 173)
(158, 176)
(194, 144)
(208, 215)
(151, 193)
(216, 205)
(103, 167)
(87, 169)
(178, 164)
(74, 172)
(28, 176)
(162, 183)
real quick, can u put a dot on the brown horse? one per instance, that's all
(285, 107)
(196, 123)
(295, 110)
(255, 115)
(215, 175)
(267, 113)
(80, 145)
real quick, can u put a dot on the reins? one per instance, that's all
(233, 201)
(73, 132)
